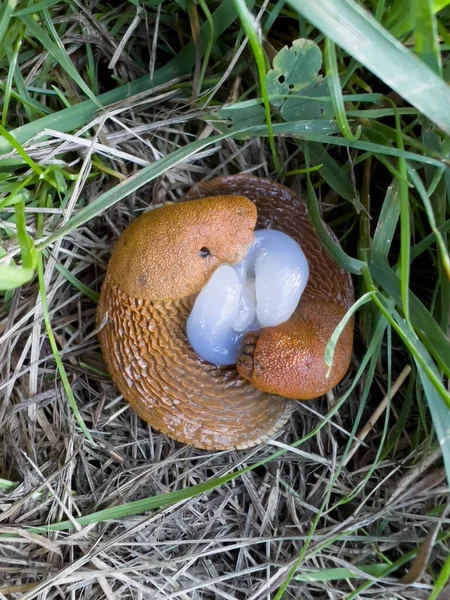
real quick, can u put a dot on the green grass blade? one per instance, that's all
(5, 484)
(77, 284)
(442, 246)
(58, 52)
(293, 127)
(426, 34)
(350, 264)
(399, 22)
(210, 22)
(251, 27)
(405, 223)
(354, 29)
(27, 248)
(80, 114)
(386, 224)
(429, 240)
(133, 183)
(426, 327)
(440, 414)
(56, 354)
(342, 573)
(8, 10)
(9, 79)
(35, 8)
(442, 580)
(334, 85)
(18, 148)
(414, 346)
(332, 173)
(331, 346)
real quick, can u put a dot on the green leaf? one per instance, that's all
(12, 276)
(355, 30)
(242, 114)
(294, 68)
(313, 102)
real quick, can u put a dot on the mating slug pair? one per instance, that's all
(161, 263)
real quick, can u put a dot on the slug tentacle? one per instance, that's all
(161, 263)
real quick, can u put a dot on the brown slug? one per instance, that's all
(155, 273)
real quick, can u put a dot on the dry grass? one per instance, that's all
(240, 540)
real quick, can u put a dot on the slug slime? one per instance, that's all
(263, 290)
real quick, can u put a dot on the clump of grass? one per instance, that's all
(110, 108)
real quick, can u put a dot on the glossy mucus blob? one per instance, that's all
(261, 291)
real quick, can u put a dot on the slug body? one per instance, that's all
(159, 266)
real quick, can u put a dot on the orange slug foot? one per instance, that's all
(287, 360)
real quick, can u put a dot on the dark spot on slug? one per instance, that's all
(142, 280)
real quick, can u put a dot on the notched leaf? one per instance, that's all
(241, 115)
(294, 69)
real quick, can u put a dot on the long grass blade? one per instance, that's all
(5, 17)
(334, 86)
(251, 28)
(426, 327)
(426, 34)
(56, 354)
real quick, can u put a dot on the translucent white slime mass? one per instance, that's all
(261, 291)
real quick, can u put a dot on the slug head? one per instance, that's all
(169, 253)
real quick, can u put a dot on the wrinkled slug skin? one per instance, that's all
(146, 351)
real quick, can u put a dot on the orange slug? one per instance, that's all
(155, 273)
